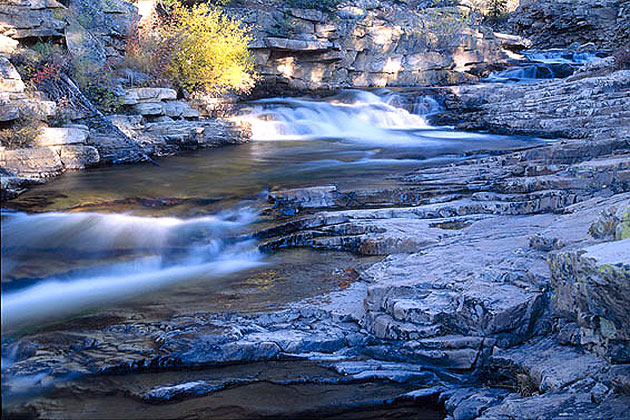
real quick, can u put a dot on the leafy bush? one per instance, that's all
(283, 28)
(23, 131)
(323, 5)
(211, 51)
(197, 48)
(442, 27)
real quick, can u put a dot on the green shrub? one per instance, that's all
(211, 51)
(23, 131)
(442, 27)
(323, 5)
(283, 28)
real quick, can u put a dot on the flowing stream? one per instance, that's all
(95, 239)
(547, 64)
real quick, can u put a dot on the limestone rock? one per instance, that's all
(550, 23)
(61, 136)
(38, 162)
(9, 112)
(85, 47)
(151, 94)
(77, 157)
(10, 80)
(7, 45)
(30, 19)
(148, 108)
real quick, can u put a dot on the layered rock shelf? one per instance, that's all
(493, 286)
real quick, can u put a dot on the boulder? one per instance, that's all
(78, 157)
(592, 287)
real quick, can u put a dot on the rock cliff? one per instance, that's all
(560, 23)
(370, 43)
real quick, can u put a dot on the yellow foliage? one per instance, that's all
(212, 51)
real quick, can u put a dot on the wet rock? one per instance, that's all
(583, 105)
(468, 404)
(620, 378)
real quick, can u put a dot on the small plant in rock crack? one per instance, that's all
(622, 58)
(524, 385)
(63, 113)
(283, 28)
(23, 131)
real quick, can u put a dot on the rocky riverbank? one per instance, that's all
(496, 287)
(502, 294)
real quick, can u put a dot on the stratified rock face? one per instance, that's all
(587, 104)
(371, 43)
(592, 286)
(560, 23)
(24, 19)
(110, 21)
(10, 80)
(93, 29)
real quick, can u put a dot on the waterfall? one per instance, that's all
(135, 255)
(356, 116)
(548, 64)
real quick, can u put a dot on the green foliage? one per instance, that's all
(491, 8)
(442, 27)
(283, 28)
(524, 385)
(497, 8)
(100, 92)
(46, 50)
(211, 51)
(323, 5)
(23, 131)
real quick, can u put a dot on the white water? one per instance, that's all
(354, 116)
(156, 252)
(560, 56)
(547, 64)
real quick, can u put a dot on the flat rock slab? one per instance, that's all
(61, 136)
(38, 162)
(152, 94)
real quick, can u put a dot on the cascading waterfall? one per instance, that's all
(135, 255)
(352, 115)
(548, 64)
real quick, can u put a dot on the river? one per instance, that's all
(153, 242)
